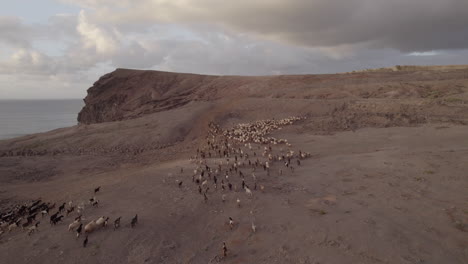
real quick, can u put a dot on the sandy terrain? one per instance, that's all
(386, 181)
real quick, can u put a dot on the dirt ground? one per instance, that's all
(385, 190)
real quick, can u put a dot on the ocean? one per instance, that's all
(24, 117)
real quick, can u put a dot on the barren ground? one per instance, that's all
(376, 189)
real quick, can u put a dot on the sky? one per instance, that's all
(51, 49)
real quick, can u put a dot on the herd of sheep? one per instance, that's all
(223, 163)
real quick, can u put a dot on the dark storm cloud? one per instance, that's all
(416, 25)
(405, 25)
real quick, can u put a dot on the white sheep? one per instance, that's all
(74, 224)
(248, 191)
(238, 202)
(33, 228)
(100, 221)
(91, 226)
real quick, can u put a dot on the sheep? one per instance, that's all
(3, 225)
(134, 221)
(248, 191)
(238, 202)
(254, 227)
(74, 224)
(231, 223)
(90, 227)
(80, 208)
(100, 221)
(223, 198)
(25, 224)
(117, 223)
(33, 228)
(12, 226)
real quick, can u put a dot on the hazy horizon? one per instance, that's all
(25, 116)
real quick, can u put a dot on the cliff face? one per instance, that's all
(125, 94)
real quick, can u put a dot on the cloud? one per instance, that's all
(417, 25)
(102, 41)
(13, 32)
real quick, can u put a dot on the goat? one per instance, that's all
(225, 250)
(33, 228)
(52, 217)
(80, 208)
(78, 230)
(231, 223)
(117, 223)
(57, 219)
(85, 242)
(61, 207)
(254, 228)
(70, 210)
(45, 212)
(134, 221)
(97, 189)
(248, 191)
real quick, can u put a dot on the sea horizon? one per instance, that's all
(21, 117)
